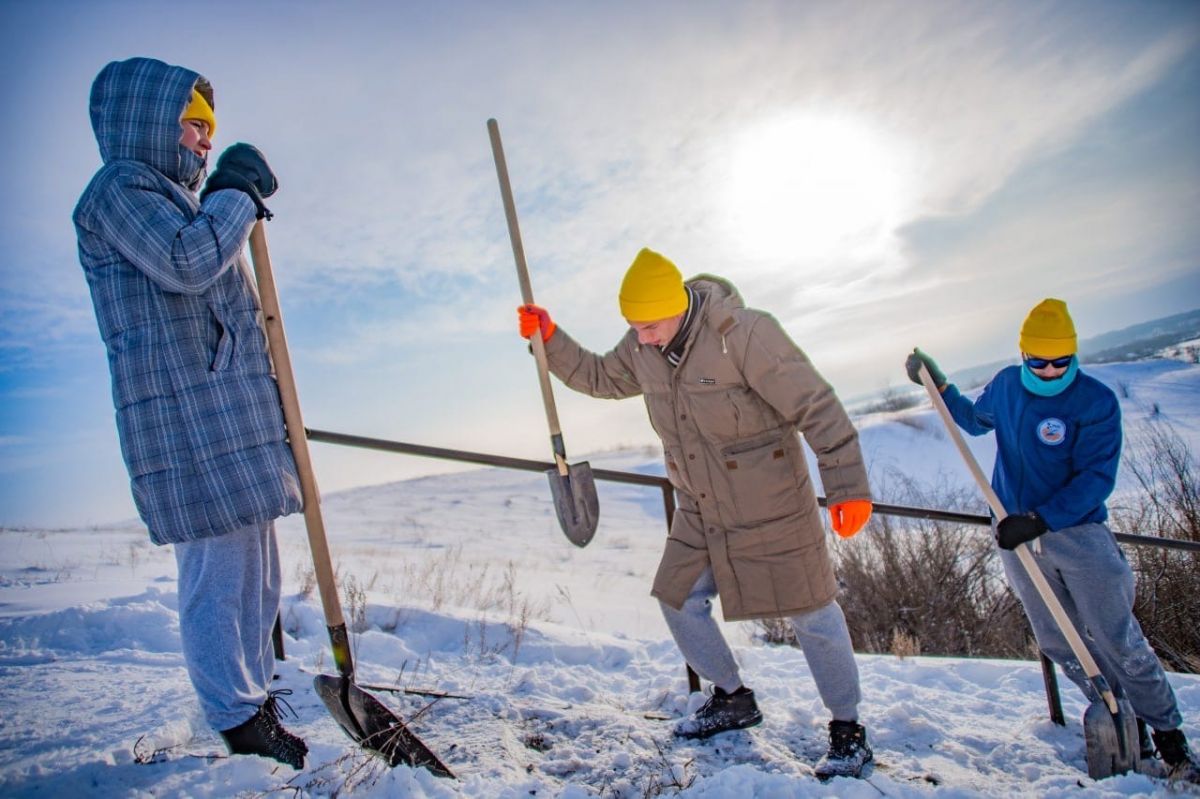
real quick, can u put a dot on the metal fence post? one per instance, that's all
(277, 638)
(1052, 697)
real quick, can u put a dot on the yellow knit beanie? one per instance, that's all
(199, 109)
(1048, 331)
(652, 289)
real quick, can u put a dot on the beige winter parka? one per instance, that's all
(728, 417)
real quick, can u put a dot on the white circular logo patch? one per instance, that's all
(1052, 432)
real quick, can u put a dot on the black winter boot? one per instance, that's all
(263, 735)
(848, 751)
(1181, 765)
(271, 706)
(722, 711)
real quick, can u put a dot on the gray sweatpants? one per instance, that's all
(823, 635)
(1091, 578)
(228, 598)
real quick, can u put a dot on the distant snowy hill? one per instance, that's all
(464, 584)
(1139, 341)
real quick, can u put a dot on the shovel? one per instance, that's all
(363, 717)
(1109, 725)
(572, 486)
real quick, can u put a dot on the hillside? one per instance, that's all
(464, 584)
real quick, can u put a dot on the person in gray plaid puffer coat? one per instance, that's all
(197, 408)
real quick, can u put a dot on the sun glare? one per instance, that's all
(809, 187)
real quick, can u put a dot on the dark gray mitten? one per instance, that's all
(912, 365)
(244, 168)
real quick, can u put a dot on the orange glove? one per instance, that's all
(533, 317)
(850, 516)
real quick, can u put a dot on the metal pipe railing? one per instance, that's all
(653, 481)
(503, 461)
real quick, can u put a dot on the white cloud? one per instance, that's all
(621, 122)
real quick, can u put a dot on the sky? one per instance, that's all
(877, 175)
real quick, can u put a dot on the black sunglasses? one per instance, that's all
(1042, 363)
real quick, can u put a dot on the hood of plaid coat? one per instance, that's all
(135, 107)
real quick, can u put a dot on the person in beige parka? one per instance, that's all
(727, 391)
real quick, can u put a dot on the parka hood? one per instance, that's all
(135, 107)
(719, 293)
(719, 300)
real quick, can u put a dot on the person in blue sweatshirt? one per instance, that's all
(1058, 446)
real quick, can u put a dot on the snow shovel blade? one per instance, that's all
(369, 723)
(1111, 739)
(575, 502)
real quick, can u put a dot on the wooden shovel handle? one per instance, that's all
(539, 346)
(297, 438)
(1069, 632)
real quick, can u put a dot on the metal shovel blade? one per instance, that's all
(1112, 740)
(575, 502)
(369, 723)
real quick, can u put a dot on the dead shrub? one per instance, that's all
(892, 399)
(1168, 506)
(913, 586)
(775, 631)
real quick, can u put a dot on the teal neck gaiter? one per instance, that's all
(1048, 388)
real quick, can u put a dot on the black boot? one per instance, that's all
(263, 735)
(1180, 764)
(722, 711)
(271, 706)
(848, 751)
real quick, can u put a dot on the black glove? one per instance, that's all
(912, 365)
(1014, 530)
(243, 167)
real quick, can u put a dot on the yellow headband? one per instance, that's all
(199, 109)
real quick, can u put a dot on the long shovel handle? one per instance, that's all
(298, 440)
(539, 347)
(1026, 557)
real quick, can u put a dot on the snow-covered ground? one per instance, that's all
(464, 584)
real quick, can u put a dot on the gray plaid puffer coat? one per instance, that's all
(198, 411)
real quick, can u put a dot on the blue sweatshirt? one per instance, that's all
(1055, 455)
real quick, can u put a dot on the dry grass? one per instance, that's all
(905, 645)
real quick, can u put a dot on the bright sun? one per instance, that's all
(810, 187)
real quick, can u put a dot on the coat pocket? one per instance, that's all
(660, 406)
(781, 568)
(761, 480)
(674, 471)
(223, 352)
(717, 412)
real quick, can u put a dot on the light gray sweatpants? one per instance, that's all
(823, 635)
(1091, 578)
(228, 598)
